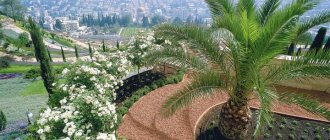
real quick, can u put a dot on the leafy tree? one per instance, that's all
(190, 20)
(291, 49)
(58, 24)
(23, 40)
(104, 47)
(90, 50)
(318, 41)
(126, 20)
(41, 55)
(236, 56)
(327, 45)
(157, 19)
(177, 21)
(145, 21)
(49, 55)
(13, 8)
(63, 55)
(76, 51)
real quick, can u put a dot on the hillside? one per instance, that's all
(12, 44)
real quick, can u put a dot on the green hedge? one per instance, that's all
(123, 108)
(3, 121)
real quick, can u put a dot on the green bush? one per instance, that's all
(5, 61)
(33, 73)
(291, 136)
(128, 103)
(303, 138)
(279, 136)
(328, 130)
(282, 126)
(318, 137)
(54, 100)
(3, 121)
(295, 122)
(308, 124)
(267, 135)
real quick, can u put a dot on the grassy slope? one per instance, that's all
(130, 31)
(14, 105)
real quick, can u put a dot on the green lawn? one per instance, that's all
(34, 88)
(24, 68)
(14, 104)
(130, 31)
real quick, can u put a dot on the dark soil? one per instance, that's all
(282, 128)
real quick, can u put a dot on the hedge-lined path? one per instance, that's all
(145, 121)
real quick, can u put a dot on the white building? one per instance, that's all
(70, 25)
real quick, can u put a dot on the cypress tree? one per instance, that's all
(327, 45)
(76, 51)
(103, 46)
(90, 50)
(291, 49)
(50, 57)
(117, 45)
(63, 55)
(299, 52)
(41, 55)
(318, 41)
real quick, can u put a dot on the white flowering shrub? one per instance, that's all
(88, 111)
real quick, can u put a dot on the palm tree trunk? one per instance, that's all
(235, 120)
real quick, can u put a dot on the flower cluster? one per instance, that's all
(88, 112)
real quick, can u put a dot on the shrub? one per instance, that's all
(270, 127)
(318, 137)
(3, 121)
(282, 126)
(5, 61)
(295, 122)
(303, 138)
(267, 135)
(291, 128)
(33, 73)
(317, 130)
(328, 130)
(279, 136)
(291, 136)
(284, 121)
(153, 86)
(308, 124)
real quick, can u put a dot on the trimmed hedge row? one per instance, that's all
(123, 108)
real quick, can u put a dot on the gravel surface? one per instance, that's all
(145, 121)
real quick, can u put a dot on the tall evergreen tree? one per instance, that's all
(50, 57)
(76, 51)
(327, 45)
(104, 47)
(41, 55)
(90, 50)
(118, 45)
(145, 21)
(319, 39)
(63, 55)
(299, 52)
(291, 49)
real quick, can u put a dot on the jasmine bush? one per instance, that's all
(83, 108)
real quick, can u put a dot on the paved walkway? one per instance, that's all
(144, 120)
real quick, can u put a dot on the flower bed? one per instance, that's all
(283, 127)
(9, 76)
(124, 106)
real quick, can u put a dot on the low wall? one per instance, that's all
(317, 84)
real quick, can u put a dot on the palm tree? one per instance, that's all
(237, 54)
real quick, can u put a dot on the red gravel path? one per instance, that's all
(144, 121)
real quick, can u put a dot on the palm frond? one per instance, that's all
(301, 67)
(267, 9)
(323, 17)
(176, 56)
(219, 7)
(306, 103)
(198, 39)
(203, 85)
(266, 97)
(247, 6)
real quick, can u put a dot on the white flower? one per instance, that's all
(65, 71)
(40, 131)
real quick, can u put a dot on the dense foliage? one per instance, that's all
(87, 110)
(3, 121)
(41, 55)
